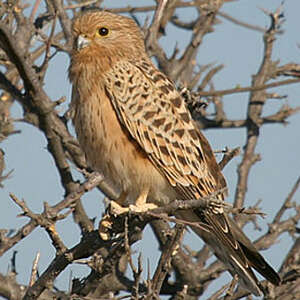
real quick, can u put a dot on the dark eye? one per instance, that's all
(103, 31)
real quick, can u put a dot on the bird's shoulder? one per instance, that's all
(149, 96)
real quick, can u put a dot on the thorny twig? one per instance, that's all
(34, 269)
(136, 272)
(164, 264)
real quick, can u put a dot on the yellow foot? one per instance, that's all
(142, 208)
(104, 226)
(116, 209)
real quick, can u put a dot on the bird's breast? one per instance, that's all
(111, 150)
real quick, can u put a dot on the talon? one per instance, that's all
(105, 225)
(116, 209)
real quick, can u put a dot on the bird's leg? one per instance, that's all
(116, 207)
(141, 204)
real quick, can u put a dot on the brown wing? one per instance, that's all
(151, 109)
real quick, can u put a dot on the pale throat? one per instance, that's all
(95, 62)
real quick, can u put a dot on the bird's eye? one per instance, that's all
(103, 31)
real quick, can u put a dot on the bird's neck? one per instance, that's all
(91, 66)
(96, 61)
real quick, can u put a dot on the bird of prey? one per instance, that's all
(134, 127)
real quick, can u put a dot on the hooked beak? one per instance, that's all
(82, 42)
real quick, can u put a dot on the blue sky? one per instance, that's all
(36, 180)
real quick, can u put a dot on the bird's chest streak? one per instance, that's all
(109, 148)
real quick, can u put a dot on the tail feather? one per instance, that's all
(257, 262)
(232, 247)
(255, 259)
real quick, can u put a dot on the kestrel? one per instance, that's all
(134, 127)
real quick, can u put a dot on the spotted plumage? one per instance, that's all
(134, 127)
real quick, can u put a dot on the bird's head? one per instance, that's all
(106, 36)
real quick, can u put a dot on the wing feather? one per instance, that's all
(151, 109)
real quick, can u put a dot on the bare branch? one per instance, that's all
(34, 269)
(255, 106)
